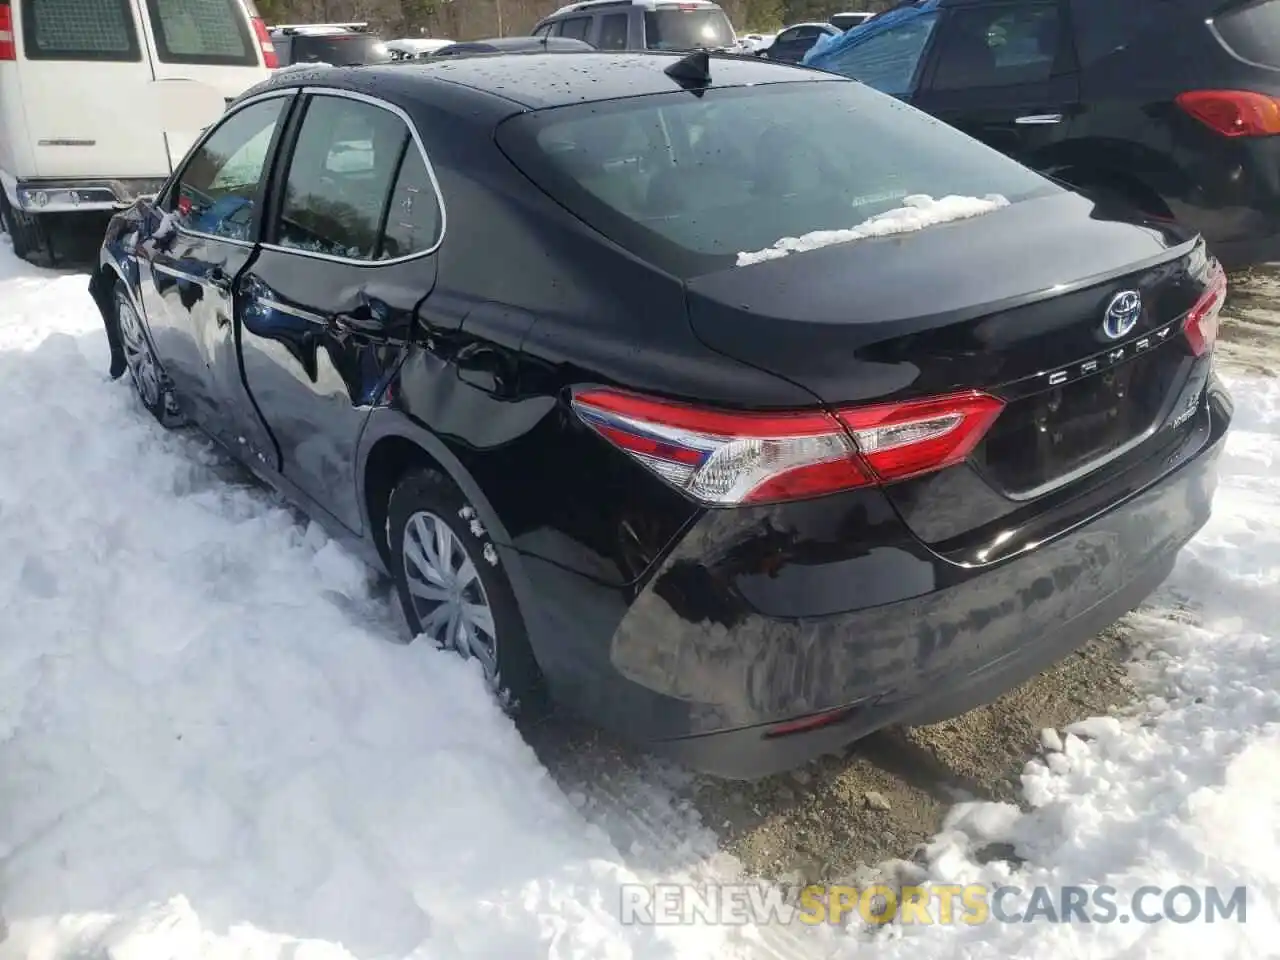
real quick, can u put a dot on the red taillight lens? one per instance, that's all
(723, 458)
(269, 58)
(1233, 113)
(8, 42)
(1201, 323)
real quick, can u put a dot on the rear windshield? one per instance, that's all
(687, 182)
(1252, 32)
(214, 32)
(79, 30)
(341, 50)
(687, 29)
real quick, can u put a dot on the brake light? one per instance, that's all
(8, 42)
(724, 459)
(1233, 113)
(1201, 323)
(269, 58)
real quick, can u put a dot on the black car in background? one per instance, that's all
(1169, 105)
(523, 330)
(472, 48)
(337, 44)
(792, 43)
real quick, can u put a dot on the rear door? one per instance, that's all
(326, 311)
(1004, 73)
(85, 84)
(206, 53)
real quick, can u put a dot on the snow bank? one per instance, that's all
(917, 212)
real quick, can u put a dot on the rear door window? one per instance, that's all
(213, 32)
(340, 178)
(997, 46)
(677, 29)
(414, 217)
(79, 30)
(1252, 32)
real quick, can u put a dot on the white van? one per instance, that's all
(100, 99)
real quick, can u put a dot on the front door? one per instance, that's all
(328, 307)
(1005, 74)
(189, 267)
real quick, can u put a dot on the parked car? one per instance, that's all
(98, 102)
(793, 42)
(751, 42)
(415, 48)
(847, 21)
(1172, 106)
(471, 48)
(642, 25)
(543, 357)
(337, 44)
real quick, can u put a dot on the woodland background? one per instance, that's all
(472, 19)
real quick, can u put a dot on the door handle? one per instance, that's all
(1039, 119)
(359, 321)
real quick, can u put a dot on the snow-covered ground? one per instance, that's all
(210, 744)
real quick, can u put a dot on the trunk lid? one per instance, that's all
(926, 314)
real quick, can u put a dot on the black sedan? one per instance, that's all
(672, 406)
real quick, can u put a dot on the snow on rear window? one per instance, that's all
(916, 213)
(79, 30)
(671, 175)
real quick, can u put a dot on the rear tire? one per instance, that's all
(453, 590)
(150, 382)
(27, 231)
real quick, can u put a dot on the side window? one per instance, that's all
(806, 33)
(217, 191)
(79, 30)
(544, 30)
(997, 46)
(212, 32)
(413, 216)
(888, 61)
(340, 174)
(576, 28)
(786, 36)
(613, 32)
(1102, 26)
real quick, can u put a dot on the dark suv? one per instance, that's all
(340, 44)
(1169, 105)
(642, 25)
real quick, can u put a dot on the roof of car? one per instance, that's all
(537, 81)
(500, 44)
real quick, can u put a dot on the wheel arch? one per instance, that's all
(392, 444)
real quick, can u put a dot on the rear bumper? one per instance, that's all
(704, 675)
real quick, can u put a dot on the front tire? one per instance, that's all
(453, 591)
(149, 379)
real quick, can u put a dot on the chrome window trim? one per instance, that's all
(431, 175)
(204, 138)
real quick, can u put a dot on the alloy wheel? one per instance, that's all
(138, 355)
(448, 598)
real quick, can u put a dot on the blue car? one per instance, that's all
(884, 52)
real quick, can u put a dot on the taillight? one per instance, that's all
(722, 458)
(1201, 323)
(1233, 113)
(269, 58)
(8, 42)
